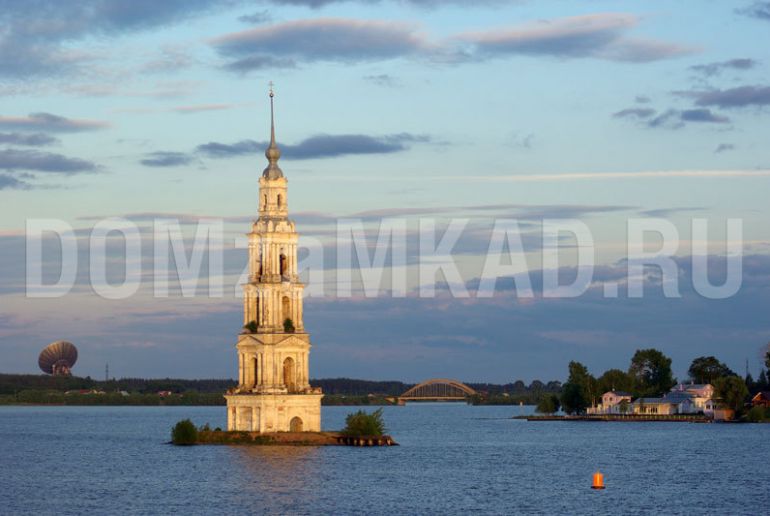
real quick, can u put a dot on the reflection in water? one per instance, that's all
(275, 479)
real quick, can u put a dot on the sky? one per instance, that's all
(416, 109)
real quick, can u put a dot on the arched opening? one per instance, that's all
(283, 264)
(289, 378)
(280, 200)
(295, 425)
(285, 309)
(255, 371)
(264, 202)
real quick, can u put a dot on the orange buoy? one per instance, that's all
(598, 480)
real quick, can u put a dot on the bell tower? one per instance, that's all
(273, 392)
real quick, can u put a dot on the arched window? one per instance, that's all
(255, 372)
(264, 202)
(295, 425)
(289, 376)
(283, 264)
(280, 200)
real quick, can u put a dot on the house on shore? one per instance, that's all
(682, 399)
(654, 406)
(761, 399)
(613, 402)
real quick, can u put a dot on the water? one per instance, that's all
(453, 459)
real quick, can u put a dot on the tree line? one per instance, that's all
(649, 375)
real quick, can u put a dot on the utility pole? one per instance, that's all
(107, 372)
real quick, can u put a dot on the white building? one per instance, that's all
(654, 406)
(700, 393)
(683, 399)
(273, 393)
(612, 403)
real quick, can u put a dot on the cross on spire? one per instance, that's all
(273, 171)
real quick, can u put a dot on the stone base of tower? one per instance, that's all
(274, 412)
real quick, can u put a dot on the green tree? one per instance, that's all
(761, 384)
(625, 406)
(615, 380)
(708, 369)
(184, 433)
(651, 372)
(573, 400)
(732, 391)
(361, 423)
(288, 325)
(548, 404)
(756, 414)
(750, 383)
(579, 375)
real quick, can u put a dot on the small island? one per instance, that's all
(361, 429)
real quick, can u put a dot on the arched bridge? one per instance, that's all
(437, 389)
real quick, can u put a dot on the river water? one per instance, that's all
(453, 459)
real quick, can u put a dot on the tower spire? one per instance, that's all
(273, 153)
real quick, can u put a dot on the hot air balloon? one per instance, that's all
(58, 358)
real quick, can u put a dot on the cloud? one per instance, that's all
(742, 96)
(256, 18)
(32, 160)
(319, 146)
(316, 4)
(31, 140)
(170, 58)
(327, 146)
(601, 36)
(702, 115)
(712, 69)
(186, 110)
(671, 118)
(259, 62)
(166, 159)
(382, 79)
(642, 99)
(522, 141)
(724, 147)
(36, 33)
(758, 10)
(651, 174)
(9, 182)
(323, 39)
(224, 150)
(50, 123)
(639, 113)
(668, 212)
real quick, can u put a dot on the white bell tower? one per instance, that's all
(273, 392)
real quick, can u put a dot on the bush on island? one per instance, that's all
(184, 433)
(362, 423)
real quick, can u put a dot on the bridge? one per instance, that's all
(437, 389)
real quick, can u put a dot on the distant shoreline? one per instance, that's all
(41, 390)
